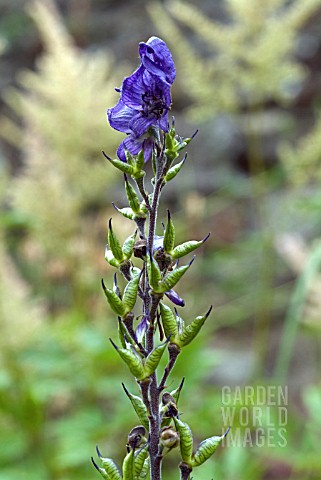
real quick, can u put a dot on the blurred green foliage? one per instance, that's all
(59, 381)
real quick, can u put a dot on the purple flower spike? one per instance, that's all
(142, 328)
(175, 298)
(145, 100)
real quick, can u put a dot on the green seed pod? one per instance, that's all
(125, 212)
(187, 247)
(140, 457)
(138, 167)
(169, 322)
(111, 467)
(122, 332)
(109, 257)
(130, 294)
(122, 166)
(173, 171)
(129, 245)
(139, 407)
(114, 244)
(169, 235)
(189, 333)
(132, 197)
(176, 393)
(154, 273)
(145, 470)
(132, 360)
(206, 449)
(153, 359)
(180, 323)
(173, 277)
(170, 139)
(102, 471)
(114, 301)
(128, 466)
(186, 440)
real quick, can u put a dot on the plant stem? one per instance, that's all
(185, 471)
(150, 306)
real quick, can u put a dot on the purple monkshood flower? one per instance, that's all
(175, 298)
(142, 328)
(145, 99)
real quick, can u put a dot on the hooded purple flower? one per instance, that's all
(145, 99)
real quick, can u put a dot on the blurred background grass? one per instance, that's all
(249, 77)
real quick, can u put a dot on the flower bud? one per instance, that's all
(169, 437)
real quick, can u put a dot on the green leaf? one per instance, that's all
(114, 301)
(139, 407)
